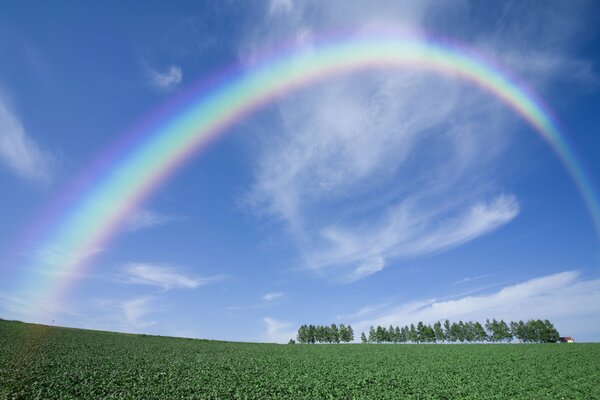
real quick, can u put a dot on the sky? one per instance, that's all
(383, 196)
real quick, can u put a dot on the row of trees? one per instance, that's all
(325, 334)
(532, 331)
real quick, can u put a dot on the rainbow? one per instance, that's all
(205, 113)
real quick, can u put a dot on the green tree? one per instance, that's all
(412, 335)
(302, 334)
(363, 338)
(439, 333)
(334, 334)
(504, 331)
(461, 331)
(447, 330)
(469, 331)
(349, 334)
(312, 334)
(372, 335)
(379, 334)
(420, 333)
(454, 332)
(480, 334)
(342, 332)
(551, 335)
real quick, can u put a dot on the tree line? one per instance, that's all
(325, 334)
(532, 331)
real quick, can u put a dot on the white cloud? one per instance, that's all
(566, 298)
(280, 6)
(134, 310)
(272, 296)
(60, 258)
(19, 151)
(143, 218)
(278, 331)
(367, 168)
(132, 315)
(165, 277)
(167, 79)
(368, 267)
(32, 307)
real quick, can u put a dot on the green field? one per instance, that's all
(47, 362)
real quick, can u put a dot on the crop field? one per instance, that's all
(48, 362)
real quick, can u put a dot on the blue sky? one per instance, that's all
(381, 197)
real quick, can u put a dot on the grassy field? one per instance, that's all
(47, 362)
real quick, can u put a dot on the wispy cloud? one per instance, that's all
(61, 258)
(566, 298)
(29, 307)
(19, 151)
(407, 233)
(134, 310)
(273, 296)
(365, 169)
(278, 331)
(144, 218)
(280, 6)
(468, 279)
(167, 79)
(134, 315)
(165, 277)
(369, 168)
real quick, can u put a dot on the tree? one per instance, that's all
(447, 330)
(379, 334)
(551, 334)
(349, 334)
(292, 341)
(346, 333)
(420, 333)
(469, 331)
(461, 331)
(405, 334)
(391, 333)
(372, 335)
(504, 331)
(454, 332)
(397, 335)
(363, 338)
(439, 333)
(518, 331)
(334, 334)
(303, 334)
(480, 334)
(412, 335)
(312, 334)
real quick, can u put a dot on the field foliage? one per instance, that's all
(46, 362)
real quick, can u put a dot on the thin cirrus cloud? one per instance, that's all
(272, 296)
(164, 277)
(375, 136)
(365, 169)
(19, 152)
(277, 331)
(566, 298)
(135, 310)
(144, 219)
(24, 306)
(370, 245)
(167, 79)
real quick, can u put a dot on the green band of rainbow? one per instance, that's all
(187, 129)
